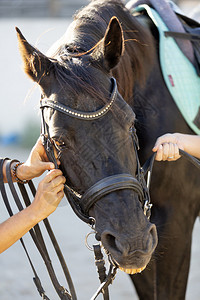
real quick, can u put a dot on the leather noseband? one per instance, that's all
(108, 185)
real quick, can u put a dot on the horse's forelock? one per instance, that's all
(76, 80)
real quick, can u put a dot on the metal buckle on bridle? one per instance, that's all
(105, 279)
(147, 209)
(145, 184)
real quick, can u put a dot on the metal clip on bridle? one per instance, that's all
(145, 170)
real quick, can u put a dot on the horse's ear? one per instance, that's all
(113, 43)
(36, 64)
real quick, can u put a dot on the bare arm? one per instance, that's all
(167, 146)
(48, 196)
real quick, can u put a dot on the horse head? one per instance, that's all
(91, 128)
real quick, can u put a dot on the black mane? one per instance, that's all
(89, 27)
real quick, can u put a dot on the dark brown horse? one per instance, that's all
(105, 40)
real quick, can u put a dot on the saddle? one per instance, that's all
(192, 33)
(181, 70)
(184, 30)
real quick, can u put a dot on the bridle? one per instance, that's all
(81, 204)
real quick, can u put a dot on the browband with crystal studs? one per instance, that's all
(79, 114)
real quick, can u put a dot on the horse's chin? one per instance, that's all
(132, 271)
(129, 271)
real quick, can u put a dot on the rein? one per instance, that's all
(37, 236)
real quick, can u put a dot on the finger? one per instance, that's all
(47, 166)
(58, 198)
(171, 152)
(59, 188)
(159, 153)
(60, 195)
(157, 145)
(52, 174)
(161, 140)
(40, 150)
(165, 151)
(176, 152)
(155, 148)
(57, 181)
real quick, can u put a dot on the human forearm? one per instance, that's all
(15, 227)
(191, 143)
(48, 196)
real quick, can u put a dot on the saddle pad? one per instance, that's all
(179, 73)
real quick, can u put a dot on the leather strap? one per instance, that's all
(100, 264)
(86, 116)
(36, 278)
(181, 35)
(195, 161)
(37, 238)
(52, 237)
(109, 279)
(108, 185)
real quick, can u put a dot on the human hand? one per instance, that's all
(49, 194)
(167, 147)
(36, 164)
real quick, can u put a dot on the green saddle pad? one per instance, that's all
(179, 73)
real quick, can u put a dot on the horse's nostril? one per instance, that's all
(144, 244)
(110, 239)
(111, 243)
